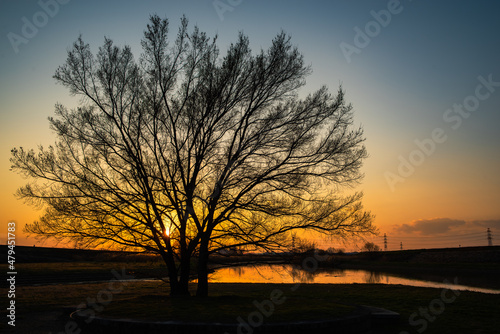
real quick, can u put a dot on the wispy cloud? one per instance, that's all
(432, 226)
(493, 223)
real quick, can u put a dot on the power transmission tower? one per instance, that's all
(490, 242)
(385, 242)
(401, 245)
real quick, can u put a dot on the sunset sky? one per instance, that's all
(423, 78)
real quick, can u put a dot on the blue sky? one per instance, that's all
(424, 59)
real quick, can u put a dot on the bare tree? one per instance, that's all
(370, 247)
(186, 152)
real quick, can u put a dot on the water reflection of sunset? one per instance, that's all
(290, 274)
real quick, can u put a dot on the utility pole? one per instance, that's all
(385, 242)
(490, 243)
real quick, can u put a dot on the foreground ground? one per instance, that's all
(43, 308)
(40, 309)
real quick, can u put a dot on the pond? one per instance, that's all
(275, 273)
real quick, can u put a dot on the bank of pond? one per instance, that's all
(286, 274)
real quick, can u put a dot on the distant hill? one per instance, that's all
(25, 254)
(486, 254)
(483, 254)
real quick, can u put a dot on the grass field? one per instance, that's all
(39, 308)
(43, 308)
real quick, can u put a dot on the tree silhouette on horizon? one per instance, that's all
(186, 152)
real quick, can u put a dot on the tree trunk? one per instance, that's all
(177, 288)
(202, 289)
(185, 268)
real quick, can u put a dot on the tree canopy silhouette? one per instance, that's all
(186, 152)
